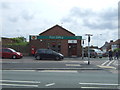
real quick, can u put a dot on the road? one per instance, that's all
(69, 73)
(59, 79)
(68, 63)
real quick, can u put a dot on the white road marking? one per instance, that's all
(115, 63)
(73, 65)
(98, 87)
(105, 63)
(20, 85)
(20, 70)
(110, 63)
(67, 71)
(19, 81)
(85, 61)
(97, 84)
(47, 85)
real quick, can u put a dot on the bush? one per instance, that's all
(117, 49)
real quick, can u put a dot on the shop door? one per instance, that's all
(72, 50)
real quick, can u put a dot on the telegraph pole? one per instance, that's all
(88, 47)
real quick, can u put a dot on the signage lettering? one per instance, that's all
(57, 37)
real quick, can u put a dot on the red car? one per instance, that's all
(10, 53)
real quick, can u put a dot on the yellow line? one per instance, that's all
(106, 67)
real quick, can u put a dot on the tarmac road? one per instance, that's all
(59, 79)
(68, 63)
(68, 73)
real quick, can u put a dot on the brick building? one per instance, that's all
(58, 39)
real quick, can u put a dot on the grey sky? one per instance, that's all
(22, 18)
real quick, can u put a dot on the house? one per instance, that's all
(111, 45)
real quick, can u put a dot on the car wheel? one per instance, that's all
(57, 58)
(14, 56)
(38, 57)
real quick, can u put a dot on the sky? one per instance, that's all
(31, 17)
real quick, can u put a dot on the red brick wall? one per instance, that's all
(57, 31)
(79, 48)
(6, 41)
(64, 47)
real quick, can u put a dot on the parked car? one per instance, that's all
(93, 54)
(10, 53)
(48, 54)
(99, 53)
(105, 54)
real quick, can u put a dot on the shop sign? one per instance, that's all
(33, 37)
(57, 37)
(72, 41)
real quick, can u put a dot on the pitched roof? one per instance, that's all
(115, 42)
(58, 27)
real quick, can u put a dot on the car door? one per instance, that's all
(7, 53)
(43, 54)
(49, 54)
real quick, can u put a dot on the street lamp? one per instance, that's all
(98, 38)
(88, 47)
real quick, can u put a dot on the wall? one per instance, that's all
(23, 49)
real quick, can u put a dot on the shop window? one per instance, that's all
(59, 48)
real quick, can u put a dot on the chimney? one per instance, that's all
(111, 41)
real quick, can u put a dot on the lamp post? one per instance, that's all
(88, 47)
(98, 36)
(83, 48)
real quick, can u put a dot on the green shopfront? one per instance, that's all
(63, 41)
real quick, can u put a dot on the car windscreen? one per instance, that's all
(12, 50)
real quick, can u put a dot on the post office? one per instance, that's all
(58, 39)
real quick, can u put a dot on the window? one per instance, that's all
(6, 50)
(41, 51)
(49, 51)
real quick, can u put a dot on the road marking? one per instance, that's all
(107, 67)
(105, 62)
(20, 70)
(85, 61)
(19, 81)
(98, 84)
(110, 63)
(115, 63)
(76, 65)
(47, 85)
(98, 87)
(20, 85)
(67, 71)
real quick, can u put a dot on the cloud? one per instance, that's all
(27, 15)
(106, 19)
(13, 19)
(5, 5)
